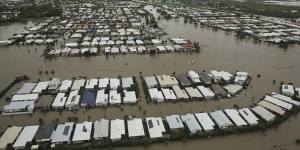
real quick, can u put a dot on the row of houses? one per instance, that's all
(119, 129)
(194, 85)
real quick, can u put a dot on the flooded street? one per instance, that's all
(220, 50)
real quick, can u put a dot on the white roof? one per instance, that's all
(233, 88)
(155, 94)
(114, 83)
(288, 89)
(206, 92)
(82, 131)
(220, 119)
(101, 128)
(25, 136)
(155, 127)
(73, 99)
(65, 85)
(59, 100)
(90, 84)
(19, 105)
(102, 98)
(54, 83)
(193, 92)
(40, 87)
(135, 127)
(194, 76)
(63, 132)
(278, 102)
(25, 97)
(191, 122)
(9, 136)
(77, 84)
(169, 94)
(248, 116)
(114, 97)
(272, 107)
(174, 122)
(180, 93)
(151, 81)
(235, 117)
(265, 114)
(26, 88)
(127, 82)
(117, 129)
(166, 80)
(205, 121)
(285, 98)
(130, 97)
(103, 83)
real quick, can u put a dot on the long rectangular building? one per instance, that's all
(135, 128)
(205, 121)
(262, 112)
(249, 116)
(155, 127)
(101, 129)
(220, 119)
(63, 133)
(278, 102)
(25, 137)
(235, 117)
(285, 98)
(272, 107)
(9, 136)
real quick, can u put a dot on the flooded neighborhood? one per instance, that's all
(148, 75)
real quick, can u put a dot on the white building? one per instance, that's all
(114, 83)
(9, 136)
(191, 122)
(25, 97)
(156, 95)
(135, 128)
(220, 119)
(169, 94)
(166, 80)
(240, 77)
(278, 102)
(248, 116)
(127, 82)
(285, 98)
(63, 133)
(233, 114)
(40, 87)
(174, 122)
(59, 101)
(288, 90)
(19, 107)
(73, 100)
(129, 97)
(26, 136)
(180, 93)
(65, 85)
(193, 93)
(156, 127)
(26, 88)
(117, 129)
(265, 114)
(91, 84)
(103, 83)
(151, 82)
(78, 84)
(114, 97)
(82, 132)
(101, 129)
(54, 84)
(102, 98)
(206, 92)
(205, 121)
(194, 77)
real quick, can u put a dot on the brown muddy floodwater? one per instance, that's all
(220, 50)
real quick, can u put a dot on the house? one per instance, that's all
(205, 121)
(288, 90)
(114, 97)
(174, 122)
(233, 88)
(156, 95)
(54, 84)
(194, 77)
(155, 127)
(218, 90)
(78, 84)
(183, 79)
(102, 98)
(25, 97)
(220, 119)
(240, 77)
(263, 113)
(272, 107)
(285, 98)
(101, 129)
(26, 88)
(103, 83)
(127, 82)
(63, 133)
(45, 133)
(151, 82)
(73, 100)
(234, 115)
(88, 99)
(129, 97)
(181, 94)
(117, 129)
(19, 107)
(205, 78)
(59, 101)
(216, 76)
(169, 94)
(193, 93)
(166, 80)
(9, 136)
(65, 86)
(135, 128)
(91, 84)
(206, 92)
(248, 116)
(114, 83)
(280, 103)
(40, 87)
(26, 136)
(191, 122)
(82, 132)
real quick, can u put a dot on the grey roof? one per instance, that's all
(63, 133)
(183, 79)
(101, 128)
(45, 132)
(205, 78)
(221, 119)
(26, 88)
(45, 101)
(218, 90)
